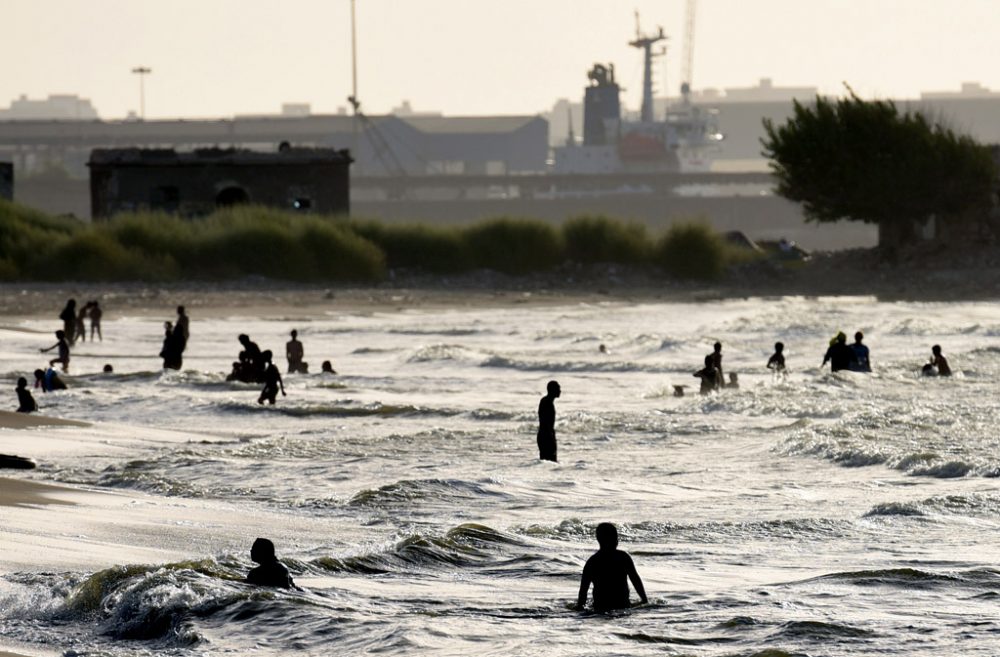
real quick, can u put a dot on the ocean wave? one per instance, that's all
(375, 409)
(895, 509)
(820, 631)
(441, 353)
(468, 545)
(911, 578)
(408, 491)
(572, 366)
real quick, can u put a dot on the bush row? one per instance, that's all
(259, 241)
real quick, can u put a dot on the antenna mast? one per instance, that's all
(687, 72)
(646, 43)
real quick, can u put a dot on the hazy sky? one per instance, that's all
(221, 57)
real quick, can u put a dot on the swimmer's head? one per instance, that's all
(60, 334)
(243, 338)
(936, 350)
(553, 388)
(717, 346)
(262, 550)
(22, 382)
(108, 369)
(859, 336)
(607, 536)
(779, 347)
(180, 310)
(295, 333)
(39, 374)
(266, 355)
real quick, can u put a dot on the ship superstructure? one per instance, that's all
(686, 138)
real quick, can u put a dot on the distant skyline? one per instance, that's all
(217, 58)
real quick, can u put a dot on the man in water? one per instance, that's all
(25, 402)
(327, 368)
(68, 317)
(294, 352)
(839, 355)
(95, 320)
(777, 360)
(938, 362)
(609, 570)
(717, 359)
(272, 381)
(862, 364)
(252, 362)
(183, 324)
(547, 423)
(711, 377)
(63, 356)
(270, 572)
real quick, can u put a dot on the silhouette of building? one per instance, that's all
(7, 181)
(58, 107)
(198, 182)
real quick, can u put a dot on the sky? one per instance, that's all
(217, 58)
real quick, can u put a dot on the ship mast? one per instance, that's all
(646, 43)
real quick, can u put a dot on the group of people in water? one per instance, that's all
(253, 365)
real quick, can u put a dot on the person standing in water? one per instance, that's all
(63, 356)
(711, 377)
(839, 355)
(294, 352)
(272, 380)
(717, 359)
(270, 572)
(183, 325)
(25, 402)
(80, 329)
(547, 422)
(861, 354)
(777, 360)
(95, 320)
(68, 317)
(609, 570)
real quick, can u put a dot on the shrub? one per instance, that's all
(598, 239)
(514, 246)
(692, 251)
(436, 249)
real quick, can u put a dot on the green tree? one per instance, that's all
(865, 160)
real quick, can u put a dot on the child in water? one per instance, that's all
(938, 365)
(63, 351)
(272, 381)
(609, 570)
(777, 360)
(26, 403)
(48, 380)
(270, 572)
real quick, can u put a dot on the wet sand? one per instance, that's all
(12, 420)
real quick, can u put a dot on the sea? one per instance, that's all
(814, 513)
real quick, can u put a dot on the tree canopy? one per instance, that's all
(864, 160)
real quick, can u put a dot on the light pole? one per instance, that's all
(142, 71)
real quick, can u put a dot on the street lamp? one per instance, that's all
(142, 71)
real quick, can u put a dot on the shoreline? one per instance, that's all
(920, 275)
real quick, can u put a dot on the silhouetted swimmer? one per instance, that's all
(839, 355)
(938, 365)
(68, 317)
(63, 345)
(711, 377)
(95, 320)
(183, 325)
(602, 349)
(734, 381)
(547, 422)
(294, 352)
(717, 358)
(235, 374)
(272, 381)
(80, 328)
(251, 361)
(861, 360)
(327, 367)
(48, 380)
(107, 367)
(777, 360)
(173, 347)
(270, 572)
(609, 570)
(25, 402)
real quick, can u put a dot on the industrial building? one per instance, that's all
(197, 183)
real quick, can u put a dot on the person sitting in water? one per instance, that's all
(861, 361)
(711, 377)
(272, 381)
(63, 346)
(938, 365)
(609, 570)
(48, 380)
(270, 572)
(327, 368)
(25, 402)
(777, 360)
(839, 355)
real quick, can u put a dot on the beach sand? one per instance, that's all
(12, 420)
